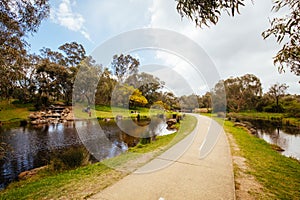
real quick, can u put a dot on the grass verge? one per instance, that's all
(11, 113)
(267, 116)
(164, 142)
(85, 181)
(279, 175)
(102, 112)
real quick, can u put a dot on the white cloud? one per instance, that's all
(65, 17)
(105, 18)
(235, 44)
(191, 79)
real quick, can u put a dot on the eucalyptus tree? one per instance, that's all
(56, 72)
(26, 86)
(18, 19)
(86, 81)
(217, 96)
(287, 29)
(74, 53)
(170, 101)
(204, 12)
(206, 100)
(277, 91)
(127, 96)
(243, 92)
(189, 102)
(123, 66)
(148, 84)
(105, 88)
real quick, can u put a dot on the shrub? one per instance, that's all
(69, 159)
(145, 140)
(274, 108)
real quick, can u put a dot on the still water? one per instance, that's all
(30, 147)
(286, 137)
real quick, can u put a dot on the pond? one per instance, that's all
(30, 147)
(286, 137)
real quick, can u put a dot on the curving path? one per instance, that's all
(179, 173)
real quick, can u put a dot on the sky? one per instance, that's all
(235, 45)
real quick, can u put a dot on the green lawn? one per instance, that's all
(10, 113)
(186, 126)
(102, 112)
(267, 116)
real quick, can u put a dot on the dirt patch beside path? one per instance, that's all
(246, 186)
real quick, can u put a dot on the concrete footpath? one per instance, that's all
(179, 173)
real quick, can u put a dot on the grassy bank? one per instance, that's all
(11, 112)
(267, 116)
(102, 112)
(186, 126)
(86, 181)
(279, 175)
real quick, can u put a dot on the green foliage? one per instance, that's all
(14, 112)
(86, 81)
(127, 96)
(286, 28)
(204, 12)
(75, 53)
(18, 19)
(105, 87)
(245, 94)
(123, 66)
(187, 125)
(69, 159)
(219, 98)
(145, 140)
(189, 102)
(274, 108)
(147, 84)
(292, 105)
(170, 101)
(242, 93)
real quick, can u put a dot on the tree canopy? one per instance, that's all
(124, 66)
(276, 91)
(242, 93)
(287, 29)
(18, 18)
(204, 12)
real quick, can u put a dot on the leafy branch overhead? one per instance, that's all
(205, 12)
(284, 29)
(287, 29)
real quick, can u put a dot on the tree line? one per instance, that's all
(52, 76)
(49, 77)
(244, 93)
